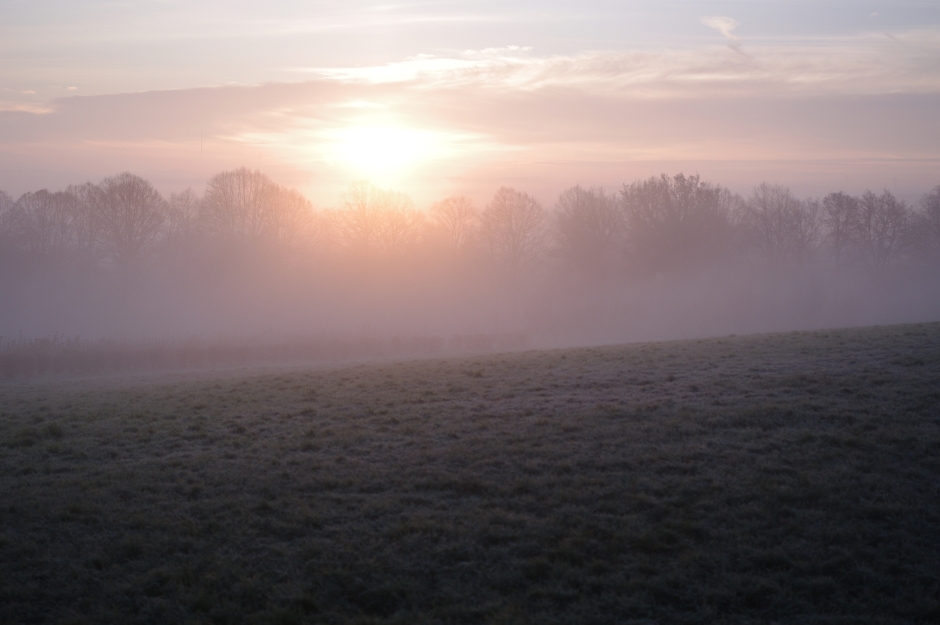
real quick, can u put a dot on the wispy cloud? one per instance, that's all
(116, 22)
(724, 25)
(873, 63)
(493, 113)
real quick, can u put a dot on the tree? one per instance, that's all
(6, 205)
(132, 215)
(883, 228)
(377, 220)
(456, 216)
(676, 222)
(513, 227)
(235, 206)
(40, 223)
(781, 226)
(183, 210)
(930, 219)
(840, 217)
(400, 225)
(292, 220)
(588, 229)
(358, 220)
(6, 225)
(86, 223)
(246, 208)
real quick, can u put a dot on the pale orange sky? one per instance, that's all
(458, 97)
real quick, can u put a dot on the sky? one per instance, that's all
(437, 98)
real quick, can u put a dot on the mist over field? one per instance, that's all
(463, 176)
(245, 260)
(466, 312)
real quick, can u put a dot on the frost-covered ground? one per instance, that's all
(771, 478)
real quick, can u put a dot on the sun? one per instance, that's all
(384, 152)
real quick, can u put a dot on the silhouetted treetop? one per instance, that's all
(6, 205)
(235, 205)
(589, 228)
(514, 228)
(780, 225)
(132, 214)
(930, 220)
(41, 222)
(883, 227)
(673, 222)
(372, 220)
(653, 228)
(457, 217)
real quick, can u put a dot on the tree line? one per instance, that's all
(660, 225)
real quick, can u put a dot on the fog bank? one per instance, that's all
(247, 262)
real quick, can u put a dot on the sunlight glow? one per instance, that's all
(382, 152)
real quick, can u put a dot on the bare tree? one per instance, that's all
(840, 217)
(183, 210)
(236, 203)
(456, 216)
(246, 208)
(132, 215)
(86, 223)
(781, 226)
(588, 229)
(6, 227)
(401, 224)
(733, 210)
(883, 229)
(65, 224)
(929, 221)
(358, 220)
(292, 220)
(377, 220)
(676, 222)
(7, 239)
(6, 221)
(318, 233)
(514, 228)
(41, 223)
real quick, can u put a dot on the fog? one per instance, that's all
(245, 261)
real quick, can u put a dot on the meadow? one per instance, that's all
(779, 478)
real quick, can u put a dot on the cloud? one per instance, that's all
(509, 116)
(864, 64)
(535, 138)
(497, 52)
(724, 25)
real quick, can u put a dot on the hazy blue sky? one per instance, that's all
(449, 96)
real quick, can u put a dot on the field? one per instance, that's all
(790, 478)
